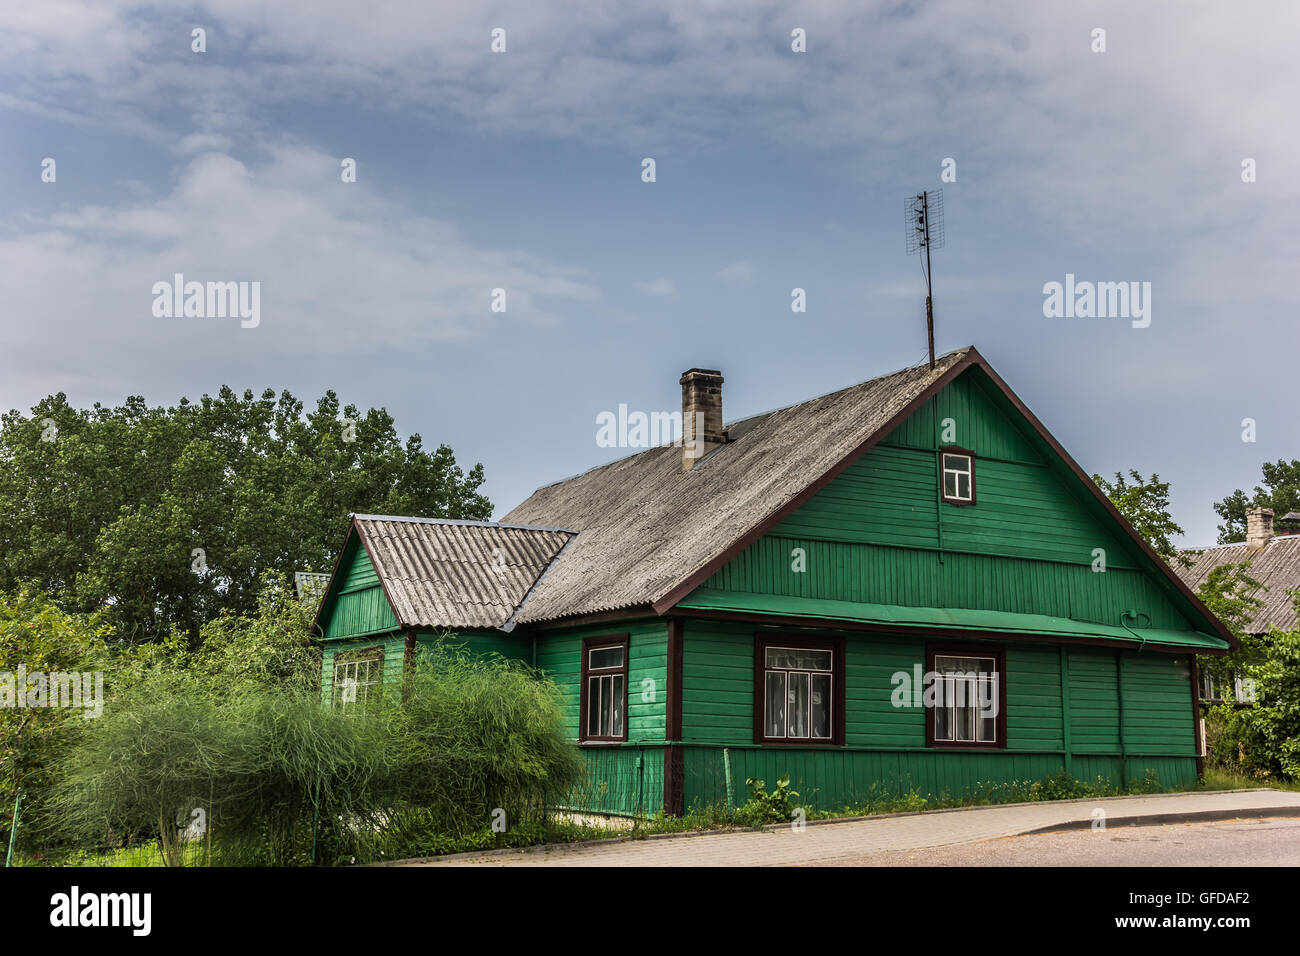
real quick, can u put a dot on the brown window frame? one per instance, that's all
(373, 697)
(590, 644)
(943, 492)
(764, 640)
(969, 650)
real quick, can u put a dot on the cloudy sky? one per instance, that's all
(774, 169)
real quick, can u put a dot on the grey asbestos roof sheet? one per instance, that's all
(1276, 566)
(458, 573)
(644, 525)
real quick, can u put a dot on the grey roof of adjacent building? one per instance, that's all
(644, 525)
(447, 573)
(1276, 566)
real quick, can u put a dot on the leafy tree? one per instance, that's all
(163, 517)
(1146, 506)
(42, 640)
(1230, 593)
(1280, 491)
(1264, 740)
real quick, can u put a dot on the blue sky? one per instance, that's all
(522, 170)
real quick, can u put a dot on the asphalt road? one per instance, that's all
(1268, 841)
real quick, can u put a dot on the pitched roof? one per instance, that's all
(650, 533)
(1276, 566)
(645, 525)
(443, 573)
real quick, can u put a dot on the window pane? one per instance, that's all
(963, 486)
(615, 690)
(950, 484)
(605, 657)
(798, 704)
(965, 707)
(774, 709)
(821, 706)
(988, 729)
(965, 665)
(799, 658)
(957, 463)
(593, 706)
(942, 711)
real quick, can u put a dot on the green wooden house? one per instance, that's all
(906, 584)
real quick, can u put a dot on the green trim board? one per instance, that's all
(975, 620)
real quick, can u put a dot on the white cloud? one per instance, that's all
(656, 287)
(342, 271)
(203, 143)
(738, 272)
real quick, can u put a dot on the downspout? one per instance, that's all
(1123, 749)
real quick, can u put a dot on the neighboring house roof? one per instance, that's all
(1276, 566)
(445, 573)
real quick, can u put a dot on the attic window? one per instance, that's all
(958, 467)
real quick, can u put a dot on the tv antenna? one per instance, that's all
(924, 217)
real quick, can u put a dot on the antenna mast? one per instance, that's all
(923, 214)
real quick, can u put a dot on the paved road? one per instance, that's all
(1271, 841)
(859, 841)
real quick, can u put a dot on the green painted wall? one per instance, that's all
(394, 646)
(885, 744)
(622, 778)
(356, 605)
(880, 533)
(559, 656)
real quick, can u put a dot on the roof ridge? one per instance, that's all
(461, 521)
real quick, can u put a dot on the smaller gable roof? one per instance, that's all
(439, 572)
(1276, 566)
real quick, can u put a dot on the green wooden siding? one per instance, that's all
(357, 604)
(513, 646)
(840, 779)
(885, 744)
(559, 656)
(394, 646)
(880, 534)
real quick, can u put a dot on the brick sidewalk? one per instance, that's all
(844, 840)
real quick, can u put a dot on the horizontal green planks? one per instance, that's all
(843, 571)
(486, 643)
(718, 693)
(559, 656)
(394, 646)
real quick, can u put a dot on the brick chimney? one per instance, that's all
(701, 414)
(1259, 527)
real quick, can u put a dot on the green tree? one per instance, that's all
(164, 517)
(1146, 506)
(1264, 740)
(1280, 491)
(1230, 593)
(37, 640)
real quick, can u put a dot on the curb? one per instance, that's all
(1162, 819)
